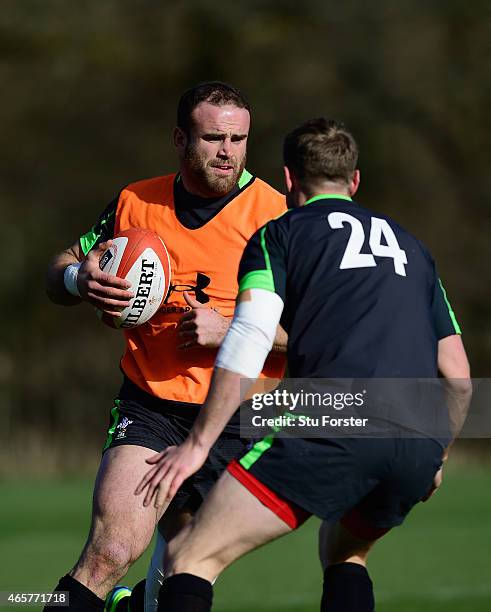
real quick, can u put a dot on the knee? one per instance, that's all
(108, 555)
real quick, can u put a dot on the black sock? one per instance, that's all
(185, 593)
(80, 597)
(347, 588)
(137, 599)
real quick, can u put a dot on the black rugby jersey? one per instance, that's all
(361, 295)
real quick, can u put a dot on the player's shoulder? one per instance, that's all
(400, 231)
(262, 185)
(277, 230)
(269, 193)
(149, 187)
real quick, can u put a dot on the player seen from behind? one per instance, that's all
(359, 298)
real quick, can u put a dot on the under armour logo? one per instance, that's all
(202, 281)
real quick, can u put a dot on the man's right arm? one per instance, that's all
(55, 286)
(104, 291)
(453, 366)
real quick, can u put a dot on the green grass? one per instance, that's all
(437, 561)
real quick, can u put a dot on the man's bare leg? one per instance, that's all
(230, 523)
(338, 545)
(121, 526)
(347, 585)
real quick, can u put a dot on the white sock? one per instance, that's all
(155, 575)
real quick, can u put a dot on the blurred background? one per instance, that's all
(88, 105)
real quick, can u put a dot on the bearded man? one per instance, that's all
(205, 213)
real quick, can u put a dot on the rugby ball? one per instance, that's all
(140, 257)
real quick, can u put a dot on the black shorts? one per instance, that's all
(371, 484)
(148, 422)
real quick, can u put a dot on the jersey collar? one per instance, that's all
(245, 178)
(328, 196)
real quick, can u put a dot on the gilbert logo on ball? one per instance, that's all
(140, 257)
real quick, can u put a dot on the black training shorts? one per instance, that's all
(381, 479)
(143, 420)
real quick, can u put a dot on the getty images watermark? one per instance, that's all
(289, 401)
(395, 407)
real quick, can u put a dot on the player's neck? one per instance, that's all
(193, 187)
(327, 189)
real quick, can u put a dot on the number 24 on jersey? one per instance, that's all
(353, 258)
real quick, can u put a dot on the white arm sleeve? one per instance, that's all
(252, 333)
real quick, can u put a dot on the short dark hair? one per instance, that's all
(214, 92)
(320, 150)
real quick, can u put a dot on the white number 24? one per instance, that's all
(353, 258)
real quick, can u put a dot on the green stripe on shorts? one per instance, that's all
(110, 432)
(256, 452)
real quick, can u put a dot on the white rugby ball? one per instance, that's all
(140, 257)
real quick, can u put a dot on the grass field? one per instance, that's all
(438, 561)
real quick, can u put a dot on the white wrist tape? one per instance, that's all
(70, 279)
(252, 333)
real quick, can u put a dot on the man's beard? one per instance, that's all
(215, 185)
